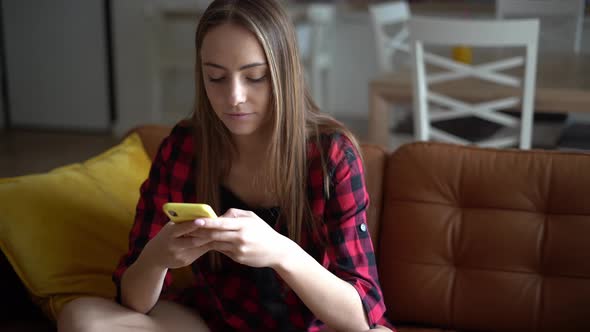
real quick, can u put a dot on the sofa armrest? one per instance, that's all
(151, 136)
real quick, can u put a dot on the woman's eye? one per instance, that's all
(216, 79)
(250, 79)
(258, 79)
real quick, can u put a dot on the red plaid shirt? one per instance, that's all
(239, 297)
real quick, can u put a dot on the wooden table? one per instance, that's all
(563, 85)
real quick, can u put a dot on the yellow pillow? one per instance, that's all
(64, 231)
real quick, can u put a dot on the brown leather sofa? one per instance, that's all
(468, 239)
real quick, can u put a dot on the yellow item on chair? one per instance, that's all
(463, 54)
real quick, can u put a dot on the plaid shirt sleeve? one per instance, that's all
(149, 218)
(350, 254)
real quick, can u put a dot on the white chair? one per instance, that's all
(312, 40)
(506, 33)
(388, 20)
(384, 15)
(571, 10)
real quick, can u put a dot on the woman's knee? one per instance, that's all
(169, 314)
(91, 314)
(80, 315)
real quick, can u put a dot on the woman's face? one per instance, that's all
(237, 78)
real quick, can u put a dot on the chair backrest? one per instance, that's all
(382, 16)
(571, 10)
(475, 33)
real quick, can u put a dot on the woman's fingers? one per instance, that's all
(202, 237)
(183, 228)
(221, 223)
(216, 235)
(198, 251)
(235, 213)
(231, 220)
(223, 247)
(225, 236)
(189, 242)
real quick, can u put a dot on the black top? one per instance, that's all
(265, 279)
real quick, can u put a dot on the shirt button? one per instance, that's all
(363, 227)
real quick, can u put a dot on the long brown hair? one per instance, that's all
(295, 118)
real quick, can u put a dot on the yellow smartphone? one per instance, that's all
(182, 212)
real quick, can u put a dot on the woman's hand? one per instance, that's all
(245, 238)
(173, 247)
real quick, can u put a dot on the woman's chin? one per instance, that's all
(242, 127)
(241, 130)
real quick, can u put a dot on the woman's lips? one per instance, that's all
(239, 115)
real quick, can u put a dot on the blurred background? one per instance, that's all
(77, 75)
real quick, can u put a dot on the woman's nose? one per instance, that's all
(238, 93)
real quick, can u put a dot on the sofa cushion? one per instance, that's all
(487, 239)
(64, 231)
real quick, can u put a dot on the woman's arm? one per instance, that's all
(143, 281)
(331, 299)
(342, 289)
(142, 284)
(155, 245)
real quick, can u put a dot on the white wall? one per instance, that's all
(133, 62)
(56, 63)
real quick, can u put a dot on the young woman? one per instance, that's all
(290, 250)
